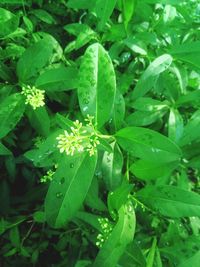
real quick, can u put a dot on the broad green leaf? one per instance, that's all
(42, 52)
(193, 261)
(68, 189)
(43, 15)
(187, 52)
(148, 144)
(58, 79)
(150, 75)
(112, 167)
(191, 131)
(170, 201)
(190, 99)
(120, 237)
(76, 28)
(39, 120)
(144, 118)
(97, 84)
(148, 170)
(8, 22)
(175, 125)
(104, 9)
(11, 111)
(148, 104)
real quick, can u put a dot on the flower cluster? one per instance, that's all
(47, 177)
(107, 228)
(34, 96)
(81, 138)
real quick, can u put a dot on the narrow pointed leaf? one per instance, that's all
(68, 189)
(97, 84)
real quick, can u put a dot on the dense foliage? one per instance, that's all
(100, 133)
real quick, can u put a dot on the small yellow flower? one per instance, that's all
(81, 138)
(34, 96)
(48, 177)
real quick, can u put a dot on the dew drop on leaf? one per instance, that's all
(59, 195)
(71, 165)
(62, 180)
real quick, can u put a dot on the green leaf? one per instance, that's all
(128, 8)
(89, 218)
(42, 52)
(92, 198)
(170, 201)
(112, 167)
(83, 33)
(151, 255)
(46, 154)
(43, 15)
(104, 9)
(191, 130)
(148, 170)
(11, 111)
(148, 144)
(133, 256)
(175, 125)
(58, 79)
(150, 75)
(119, 197)
(118, 111)
(8, 22)
(81, 4)
(144, 118)
(193, 261)
(97, 84)
(120, 237)
(39, 120)
(148, 104)
(15, 236)
(68, 189)
(39, 216)
(168, 2)
(188, 52)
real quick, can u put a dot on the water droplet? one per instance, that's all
(130, 226)
(59, 195)
(130, 208)
(62, 180)
(85, 108)
(110, 121)
(71, 165)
